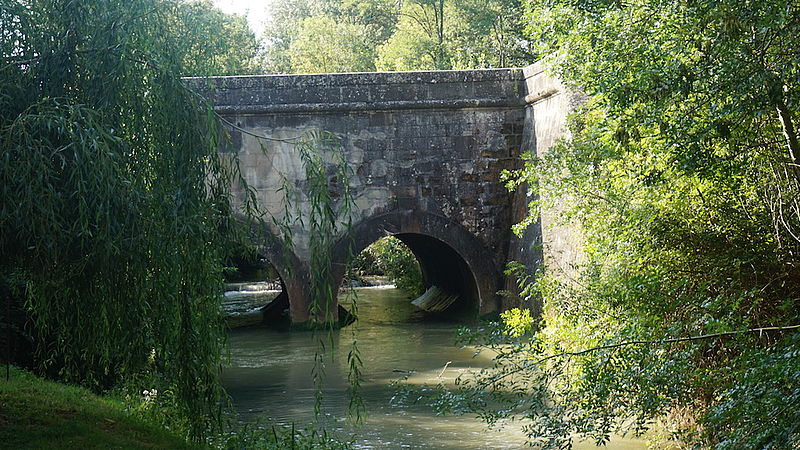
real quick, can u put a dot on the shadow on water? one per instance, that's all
(270, 375)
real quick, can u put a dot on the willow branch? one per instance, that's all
(640, 342)
(22, 62)
(292, 140)
(667, 341)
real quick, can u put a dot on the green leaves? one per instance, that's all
(761, 403)
(679, 177)
(114, 207)
(310, 36)
(389, 256)
(324, 46)
(231, 51)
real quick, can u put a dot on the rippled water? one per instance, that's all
(270, 374)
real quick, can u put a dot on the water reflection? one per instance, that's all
(270, 374)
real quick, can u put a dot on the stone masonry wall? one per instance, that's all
(433, 141)
(422, 142)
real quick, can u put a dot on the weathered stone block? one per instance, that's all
(469, 177)
(356, 94)
(378, 168)
(380, 119)
(501, 164)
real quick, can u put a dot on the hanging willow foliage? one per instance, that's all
(331, 202)
(114, 208)
(327, 192)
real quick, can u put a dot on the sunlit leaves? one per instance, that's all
(311, 36)
(679, 176)
(324, 46)
(389, 256)
(212, 42)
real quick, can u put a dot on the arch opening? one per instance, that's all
(449, 255)
(254, 291)
(444, 269)
(430, 273)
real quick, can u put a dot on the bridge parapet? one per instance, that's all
(373, 91)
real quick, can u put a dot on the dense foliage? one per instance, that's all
(390, 257)
(212, 42)
(681, 175)
(311, 36)
(114, 212)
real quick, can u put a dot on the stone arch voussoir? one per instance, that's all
(413, 227)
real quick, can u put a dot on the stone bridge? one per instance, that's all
(426, 150)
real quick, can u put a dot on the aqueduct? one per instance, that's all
(426, 150)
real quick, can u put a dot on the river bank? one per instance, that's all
(40, 414)
(37, 414)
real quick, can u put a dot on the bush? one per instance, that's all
(389, 256)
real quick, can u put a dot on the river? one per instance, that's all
(270, 374)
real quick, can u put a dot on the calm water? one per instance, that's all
(270, 375)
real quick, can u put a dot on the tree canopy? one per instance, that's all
(409, 35)
(114, 211)
(322, 46)
(213, 42)
(681, 175)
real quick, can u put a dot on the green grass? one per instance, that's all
(40, 414)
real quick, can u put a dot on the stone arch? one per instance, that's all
(449, 255)
(292, 272)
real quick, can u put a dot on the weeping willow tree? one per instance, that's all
(114, 207)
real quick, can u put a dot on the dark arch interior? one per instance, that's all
(440, 266)
(443, 267)
(249, 266)
(254, 290)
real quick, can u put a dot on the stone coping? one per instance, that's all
(376, 91)
(359, 78)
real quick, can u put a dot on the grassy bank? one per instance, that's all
(38, 414)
